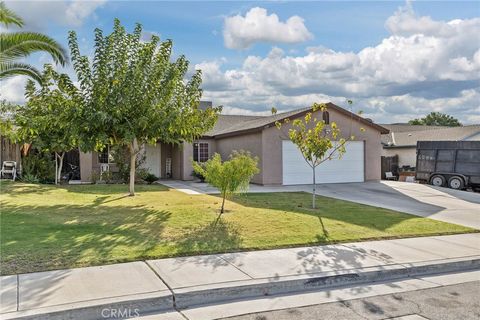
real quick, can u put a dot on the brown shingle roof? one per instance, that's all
(410, 138)
(226, 122)
(403, 127)
(233, 125)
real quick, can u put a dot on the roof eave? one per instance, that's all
(239, 132)
(381, 129)
(399, 147)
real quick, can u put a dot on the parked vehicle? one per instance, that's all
(455, 164)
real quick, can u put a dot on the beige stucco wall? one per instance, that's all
(86, 166)
(406, 156)
(187, 157)
(250, 142)
(272, 147)
(181, 156)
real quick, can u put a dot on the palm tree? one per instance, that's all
(17, 45)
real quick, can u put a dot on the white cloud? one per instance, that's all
(13, 89)
(423, 66)
(37, 14)
(405, 22)
(146, 35)
(233, 110)
(241, 32)
(77, 11)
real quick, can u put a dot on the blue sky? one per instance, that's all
(329, 58)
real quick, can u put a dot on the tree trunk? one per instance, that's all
(58, 166)
(56, 169)
(132, 172)
(133, 155)
(314, 185)
(224, 194)
(223, 203)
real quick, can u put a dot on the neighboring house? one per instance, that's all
(402, 139)
(280, 161)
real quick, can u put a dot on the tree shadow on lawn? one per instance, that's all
(18, 189)
(39, 238)
(111, 189)
(218, 236)
(328, 210)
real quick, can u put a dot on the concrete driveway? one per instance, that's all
(460, 207)
(443, 204)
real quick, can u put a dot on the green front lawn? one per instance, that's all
(48, 227)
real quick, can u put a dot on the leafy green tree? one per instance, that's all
(133, 94)
(45, 120)
(231, 176)
(317, 141)
(18, 45)
(6, 121)
(121, 158)
(436, 119)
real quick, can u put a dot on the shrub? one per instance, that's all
(30, 178)
(94, 177)
(231, 176)
(121, 157)
(40, 166)
(150, 178)
(142, 173)
(106, 176)
(198, 174)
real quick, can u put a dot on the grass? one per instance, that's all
(47, 227)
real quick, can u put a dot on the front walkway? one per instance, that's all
(459, 207)
(194, 187)
(158, 280)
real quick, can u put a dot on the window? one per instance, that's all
(200, 151)
(326, 117)
(105, 156)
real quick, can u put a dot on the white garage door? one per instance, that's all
(350, 168)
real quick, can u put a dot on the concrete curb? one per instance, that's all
(193, 296)
(208, 294)
(127, 305)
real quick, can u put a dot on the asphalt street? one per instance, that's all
(454, 302)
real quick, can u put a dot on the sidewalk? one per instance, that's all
(153, 285)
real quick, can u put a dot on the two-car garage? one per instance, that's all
(349, 168)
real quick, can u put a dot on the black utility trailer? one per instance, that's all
(455, 164)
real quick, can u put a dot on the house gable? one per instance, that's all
(249, 124)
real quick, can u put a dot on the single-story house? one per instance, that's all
(280, 161)
(402, 139)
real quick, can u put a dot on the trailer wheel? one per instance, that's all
(437, 180)
(456, 182)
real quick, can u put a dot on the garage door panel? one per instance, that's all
(350, 168)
